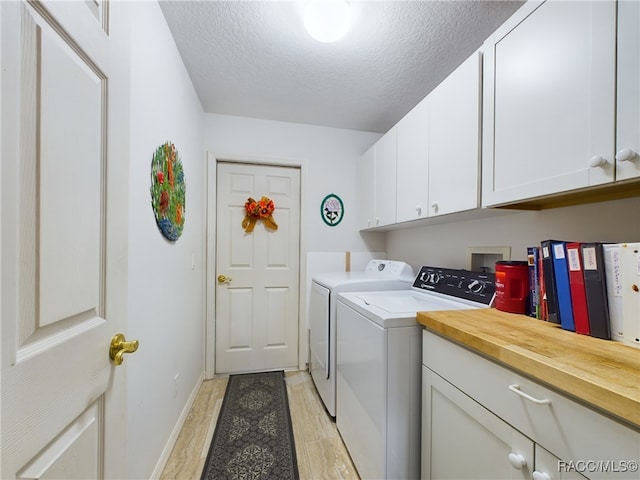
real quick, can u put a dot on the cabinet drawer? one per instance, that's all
(569, 429)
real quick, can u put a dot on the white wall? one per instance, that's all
(166, 296)
(328, 158)
(446, 244)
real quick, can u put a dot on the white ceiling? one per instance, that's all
(255, 59)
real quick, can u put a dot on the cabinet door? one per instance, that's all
(412, 168)
(550, 467)
(454, 140)
(549, 98)
(463, 440)
(628, 127)
(366, 170)
(385, 190)
(571, 430)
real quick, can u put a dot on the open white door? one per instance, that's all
(64, 182)
(257, 284)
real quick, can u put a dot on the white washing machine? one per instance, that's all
(377, 275)
(378, 376)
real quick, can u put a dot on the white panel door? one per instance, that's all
(64, 239)
(257, 301)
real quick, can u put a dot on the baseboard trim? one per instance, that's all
(162, 461)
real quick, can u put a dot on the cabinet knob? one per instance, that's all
(540, 475)
(419, 210)
(517, 461)
(625, 155)
(435, 205)
(377, 221)
(597, 161)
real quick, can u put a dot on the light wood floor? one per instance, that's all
(319, 448)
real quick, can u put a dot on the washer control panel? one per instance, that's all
(474, 286)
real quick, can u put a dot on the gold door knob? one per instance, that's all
(119, 346)
(223, 279)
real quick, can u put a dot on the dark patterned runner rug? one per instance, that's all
(253, 439)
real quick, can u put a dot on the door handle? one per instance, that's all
(223, 279)
(119, 346)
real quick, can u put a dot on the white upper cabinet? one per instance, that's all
(377, 183)
(366, 170)
(385, 181)
(439, 148)
(412, 167)
(454, 140)
(549, 101)
(628, 126)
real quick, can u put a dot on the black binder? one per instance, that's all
(596, 289)
(549, 280)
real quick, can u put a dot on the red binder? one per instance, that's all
(578, 292)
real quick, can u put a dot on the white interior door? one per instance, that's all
(257, 303)
(64, 239)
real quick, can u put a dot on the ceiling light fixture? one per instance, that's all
(327, 20)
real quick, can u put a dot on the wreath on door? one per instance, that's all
(258, 210)
(168, 191)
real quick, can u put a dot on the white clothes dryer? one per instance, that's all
(378, 371)
(325, 287)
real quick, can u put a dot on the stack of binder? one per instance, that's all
(588, 288)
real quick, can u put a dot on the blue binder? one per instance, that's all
(561, 271)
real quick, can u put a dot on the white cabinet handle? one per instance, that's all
(377, 221)
(625, 155)
(517, 461)
(419, 210)
(435, 206)
(597, 161)
(541, 475)
(515, 388)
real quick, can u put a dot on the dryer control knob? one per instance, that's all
(476, 286)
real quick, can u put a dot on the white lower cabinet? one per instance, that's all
(483, 421)
(463, 440)
(549, 467)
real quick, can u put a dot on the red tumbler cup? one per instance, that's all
(512, 286)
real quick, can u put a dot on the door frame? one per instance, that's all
(209, 335)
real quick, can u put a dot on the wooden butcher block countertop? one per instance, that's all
(602, 373)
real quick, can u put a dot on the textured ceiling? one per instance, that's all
(255, 59)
